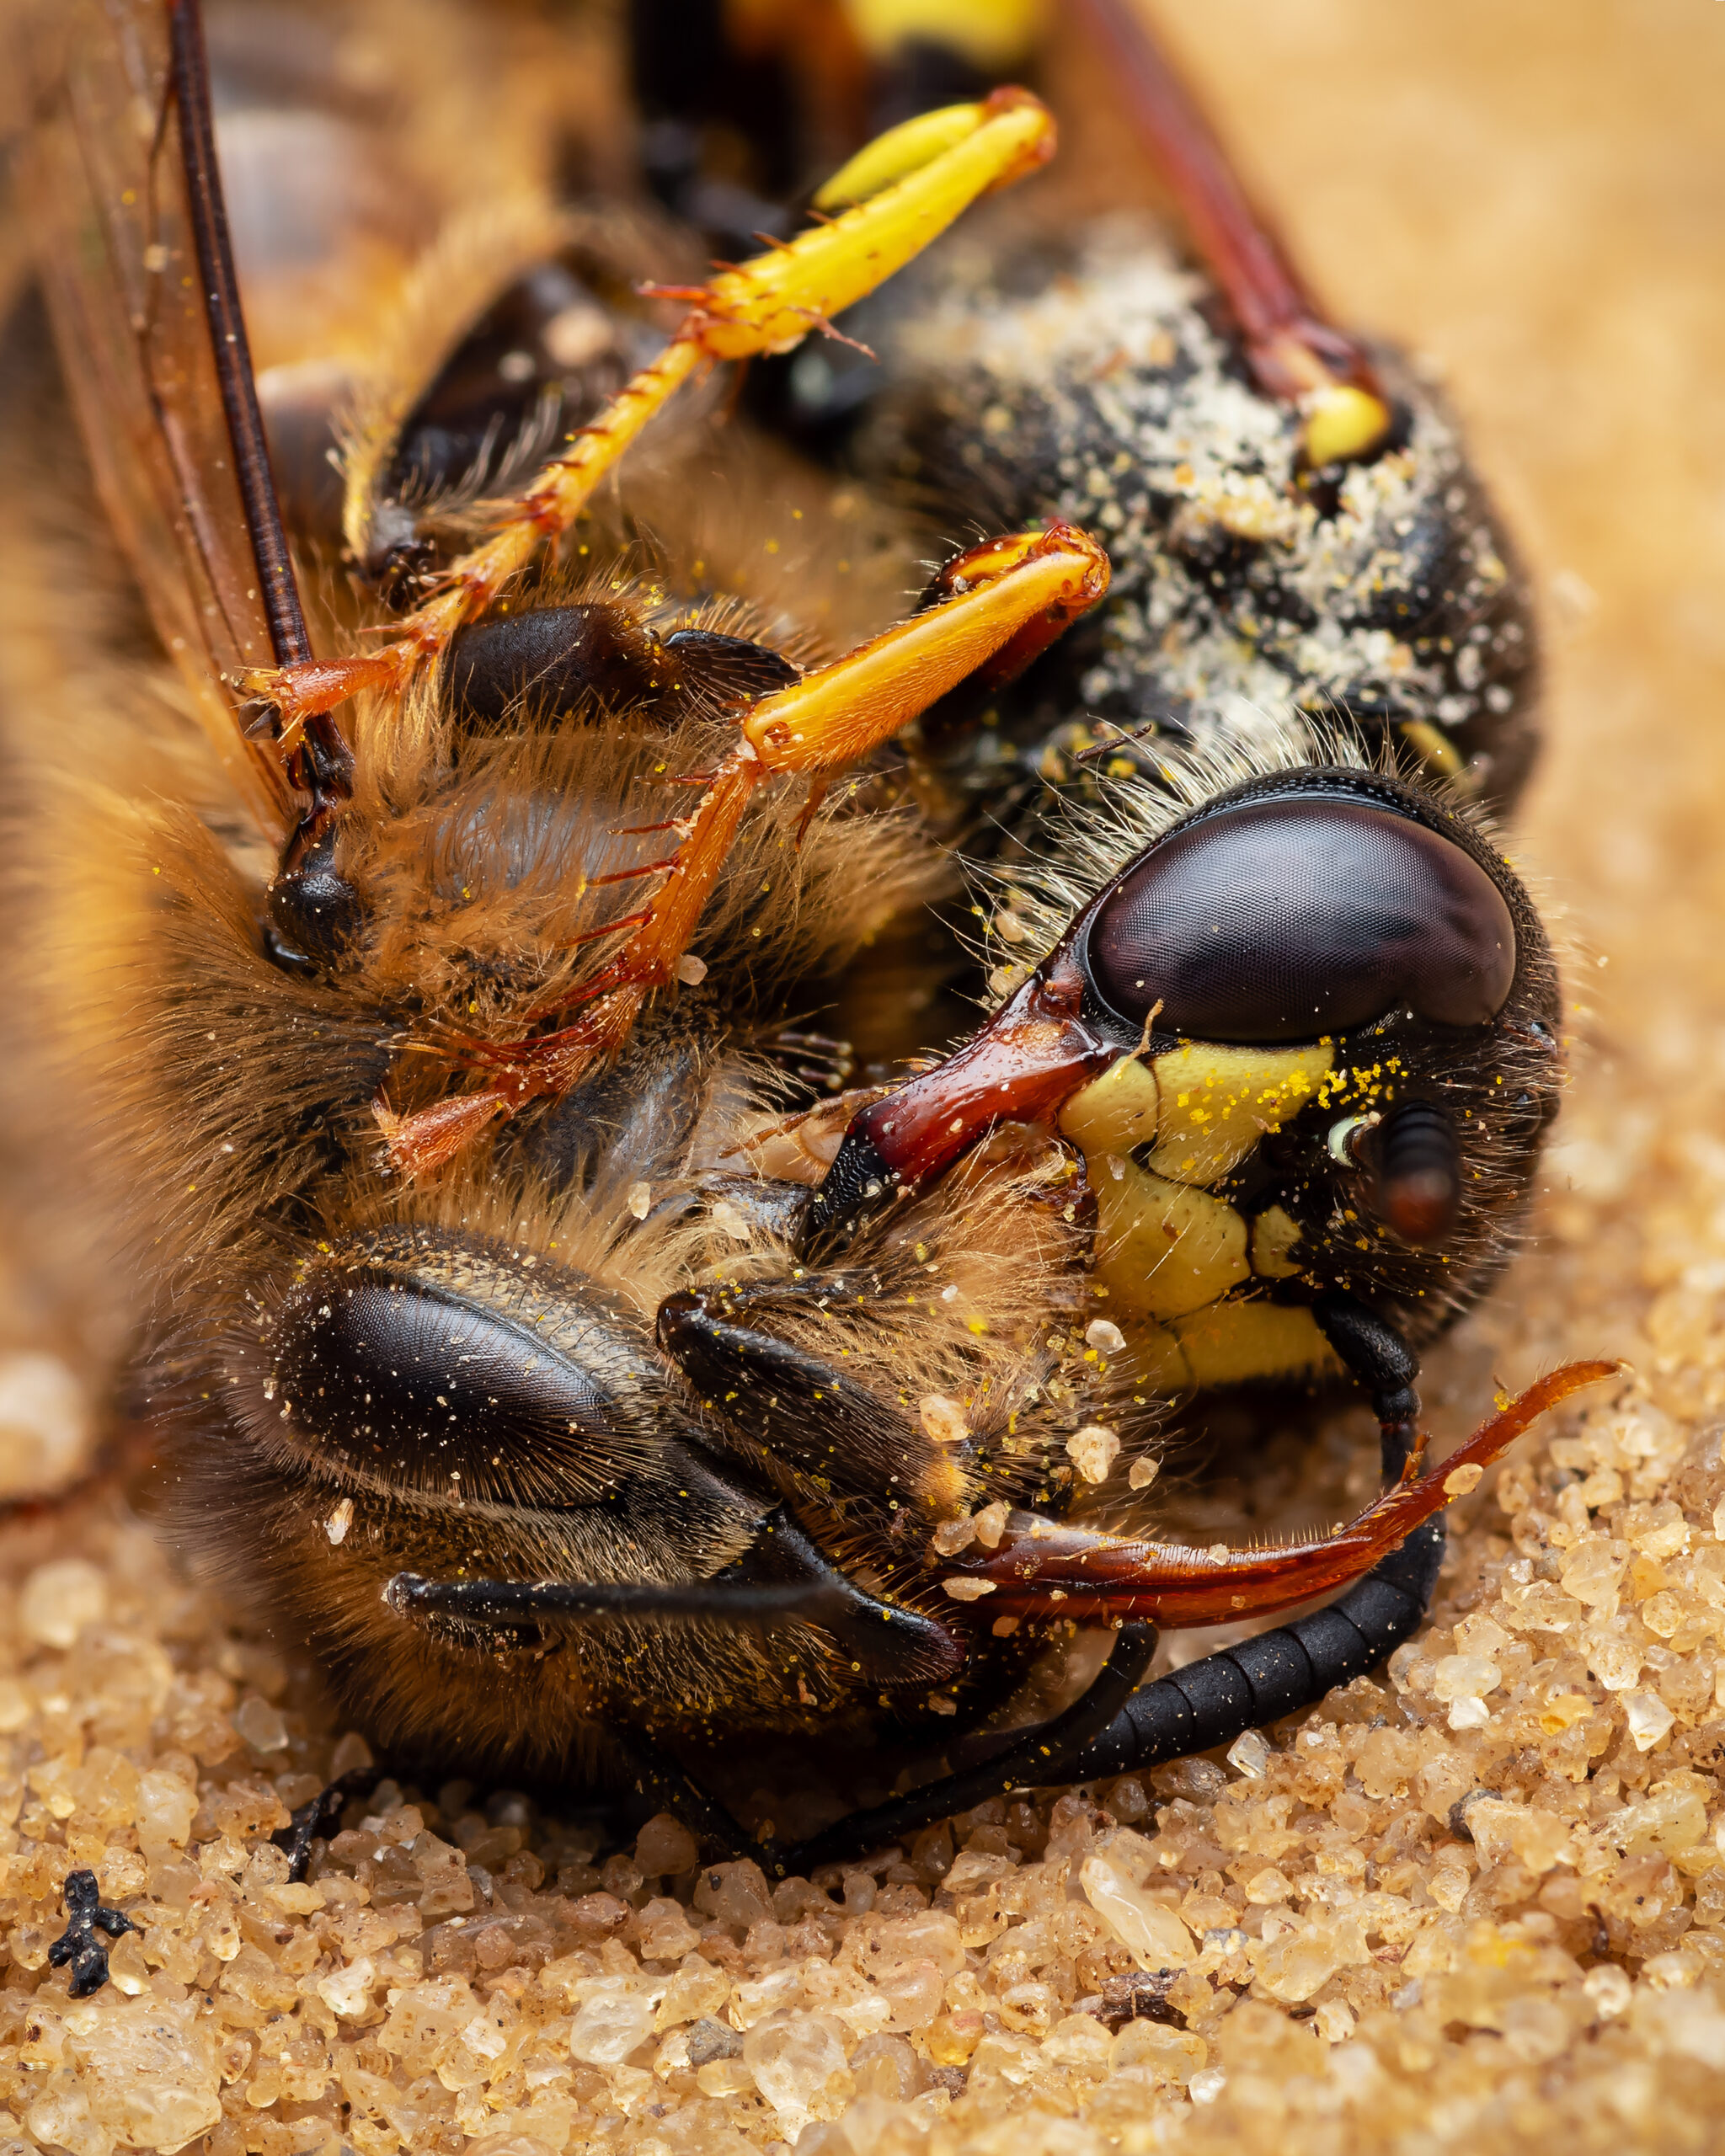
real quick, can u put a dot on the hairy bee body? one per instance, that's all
(742, 1365)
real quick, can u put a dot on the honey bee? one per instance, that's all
(411, 894)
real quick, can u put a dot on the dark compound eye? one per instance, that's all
(1286, 919)
(397, 1375)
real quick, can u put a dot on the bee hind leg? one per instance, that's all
(1040, 1756)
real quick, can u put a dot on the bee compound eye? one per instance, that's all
(316, 913)
(451, 1389)
(1284, 919)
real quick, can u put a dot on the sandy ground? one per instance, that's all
(1479, 1901)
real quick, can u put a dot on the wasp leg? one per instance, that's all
(1042, 1756)
(78, 1943)
(1020, 591)
(1293, 352)
(768, 304)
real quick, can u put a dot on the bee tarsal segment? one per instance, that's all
(768, 304)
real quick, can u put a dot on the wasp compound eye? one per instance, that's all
(1416, 1193)
(1282, 920)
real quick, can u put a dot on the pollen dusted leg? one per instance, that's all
(1035, 581)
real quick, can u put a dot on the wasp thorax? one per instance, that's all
(1286, 919)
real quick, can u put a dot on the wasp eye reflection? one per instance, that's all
(1284, 919)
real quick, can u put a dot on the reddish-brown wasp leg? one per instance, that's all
(821, 724)
(1046, 1570)
(1293, 352)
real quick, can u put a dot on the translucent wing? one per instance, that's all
(105, 194)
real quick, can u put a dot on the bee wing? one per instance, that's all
(104, 192)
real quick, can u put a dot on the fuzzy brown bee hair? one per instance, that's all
(582, 1400)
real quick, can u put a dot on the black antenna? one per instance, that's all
(324, 766)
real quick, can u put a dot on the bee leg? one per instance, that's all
(1038, 1757)
(597, 656)
(902, 194)
(78, 1943)
(658, 1784)
(1116, 1727)
(777, 1403)
(782, 1578)
(1214, 1701)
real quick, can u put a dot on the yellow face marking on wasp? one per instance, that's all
(1231, 1343)
(1169, 1250)
(1274, 1235)
(1165, 1248)
(1115, 1113)
(1201, 1106)
(1217, 1102)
